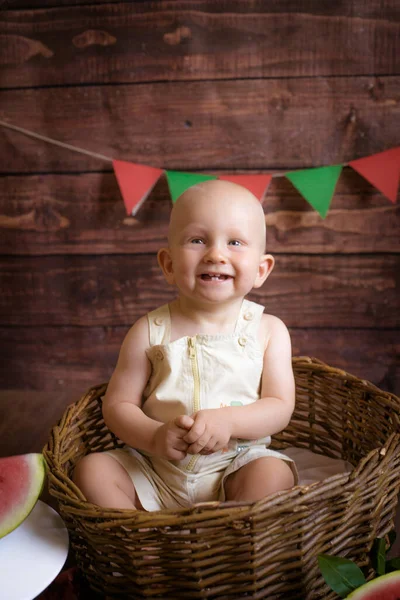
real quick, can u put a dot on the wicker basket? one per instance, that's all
(267, 549)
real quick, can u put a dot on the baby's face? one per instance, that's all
(216, 243)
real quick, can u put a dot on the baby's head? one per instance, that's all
(220, 226)
(221, 199)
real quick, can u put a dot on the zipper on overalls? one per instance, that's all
(196, 394)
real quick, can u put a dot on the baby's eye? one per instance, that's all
(235, 243)
(196, 241)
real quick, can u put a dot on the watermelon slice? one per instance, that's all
(385, 587)
(21, 482)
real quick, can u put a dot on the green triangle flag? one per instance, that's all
(316, 185)
(179, 182)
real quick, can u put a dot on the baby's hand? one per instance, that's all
(209, 433)
(168, 439)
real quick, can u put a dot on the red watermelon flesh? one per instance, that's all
(385, 587)
(21, 482)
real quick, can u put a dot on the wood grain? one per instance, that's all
(304, 290)
(194, 41)
(71, 359)
(27, 416)
(372, 9)
(57, 214)
(243, 124)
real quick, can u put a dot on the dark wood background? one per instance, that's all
(212, 86)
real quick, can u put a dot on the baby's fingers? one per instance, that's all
(201, 444)
(184, 421)
(206, 452)
(195, 433)
(176, 454)
(179, 444)
(178, 450)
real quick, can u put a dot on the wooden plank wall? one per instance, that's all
(208, 86)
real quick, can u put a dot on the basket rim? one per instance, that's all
(320, 366)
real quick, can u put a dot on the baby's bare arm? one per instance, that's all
(272, 412)
(122, 404)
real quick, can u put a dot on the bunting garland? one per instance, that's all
(135, 183)
(316, 185)
(381, 170)
(178, 182)
(256, 184)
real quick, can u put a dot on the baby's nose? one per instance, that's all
(215, 254)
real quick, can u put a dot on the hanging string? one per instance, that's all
(55, 142)
(82, 150)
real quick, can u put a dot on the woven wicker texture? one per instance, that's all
(267, 549)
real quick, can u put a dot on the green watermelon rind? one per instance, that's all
(37, 468)
(376, 585)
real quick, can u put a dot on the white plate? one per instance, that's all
(32, 555)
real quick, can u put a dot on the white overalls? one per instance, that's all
(189, 374)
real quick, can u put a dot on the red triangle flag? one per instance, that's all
(135, 183)
(256, 184)
(382, 170)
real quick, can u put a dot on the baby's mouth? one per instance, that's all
(214, 277)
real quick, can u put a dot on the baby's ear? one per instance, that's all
(264, 269)
(165, 262)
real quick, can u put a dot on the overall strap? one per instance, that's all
(159, 325)
(249, 319)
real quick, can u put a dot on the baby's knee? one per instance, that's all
(104, 481)
(258, 479)
(87, 469)
(284, 474)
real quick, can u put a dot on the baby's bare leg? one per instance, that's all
(105, 482)
(258, 479)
